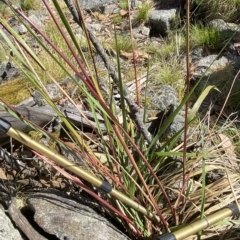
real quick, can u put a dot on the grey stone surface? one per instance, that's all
(7, 230)
(163, 102)
(135, 3)
(144, 30)
(8, 71)
(196, 54)
(22, 29)
(112, 9)
(209, 64)
(162, 97)
(95, 5)
(67, 219)
(53, 91)
(160, 20)
(40, 14)
(219, 24)
(36, 21)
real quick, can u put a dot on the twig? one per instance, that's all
(134, 114)
(22, 222)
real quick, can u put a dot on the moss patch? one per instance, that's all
(14, 91)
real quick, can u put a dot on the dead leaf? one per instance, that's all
(140, 55)
(228, 147)
(123, 12)
(101, 17)
(70, 144)
(56, 183)
(2, 174)
(113, 15)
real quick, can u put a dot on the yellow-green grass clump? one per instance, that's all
(14, 91)
(142, 13)
(31, 5)
(167, 76)
(207, 36)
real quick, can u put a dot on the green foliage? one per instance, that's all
(117, 19)
(31, 5)
(3, 53)
(166, 75)
(53, 33)
(4, 10)
(172, 46)
(124, 4)
(124, 43)
(142, 13)
(207, 36)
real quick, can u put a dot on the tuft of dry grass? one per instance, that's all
(224, 9)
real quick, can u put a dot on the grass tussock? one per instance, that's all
(227, 10)
(53, 33)
(165, 75)
(142, 12)
(207, 36)
(151, 172)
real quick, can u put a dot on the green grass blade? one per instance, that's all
(199, 101)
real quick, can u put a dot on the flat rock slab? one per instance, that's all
(95, 5)
(67, 219)
(7, 230)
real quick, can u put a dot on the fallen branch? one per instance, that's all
(42, 115)
(22, 222)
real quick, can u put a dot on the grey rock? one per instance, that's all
(219, 24)
(218, 72)
(8, 71)
(163, 102)
(95, 5)
(22, 29)
(53, 91)
(7, 230)
(196, 54)
(96, 26)
(163, 97)
(234, 59)
(144, 30)
(209, 64)
(33, 43)
(141, 32)
(36, 21)
(135, 3)
(40, 14)
(67, 219)
(227, 30)
(176, 125)
(160, 20)
(111, 9)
